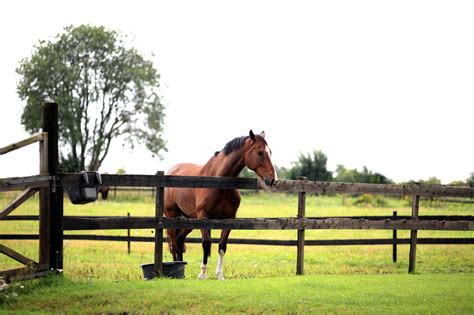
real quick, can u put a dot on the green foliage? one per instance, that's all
(354, 176)
(470, 180)
(458, 183)
(104, 90)
(430, 181)
(313, 167)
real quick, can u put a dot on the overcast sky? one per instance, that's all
(385, 84)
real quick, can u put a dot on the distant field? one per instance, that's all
(102, 277)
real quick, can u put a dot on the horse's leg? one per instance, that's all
(206, 248)
(222, 250)
(172, 243)
(171, 210)
(180, 245)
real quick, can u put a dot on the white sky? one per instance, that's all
(386, 84)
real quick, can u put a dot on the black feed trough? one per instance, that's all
(86, 191)
(173, 269)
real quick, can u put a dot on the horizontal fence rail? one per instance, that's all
(281, 186)
(389, 223)
(21, 183)
(248, 241)
(362, 188)
(165, 181)
(245, 241)
(23, 143)
(426, 217)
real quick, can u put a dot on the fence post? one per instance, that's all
(52, 198)
(394, 253)
(44, 215)
(300, 242)
(160, 193)
(128, 236)
(413, 234)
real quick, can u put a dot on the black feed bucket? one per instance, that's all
(86, 191)
(174, 269)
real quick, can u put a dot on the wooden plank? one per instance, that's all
(245, 241)
(21, 218)
(362, 188)
(22, 183)
(159, 206)
(166, 181)
(15, 255)
(44, 214)
(44, 226)
(43, 167)
(21, 144)
(109, 223)
(23, 273)
(469, 218)
(281, 186)
(25, 195)
(413, 234)
(300, 236)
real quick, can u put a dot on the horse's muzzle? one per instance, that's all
(270, 182)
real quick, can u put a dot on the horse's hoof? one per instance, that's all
(202, 276)
(220, 276)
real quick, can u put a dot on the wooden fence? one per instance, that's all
(413, 223)
(394, 241)
(52, 222)
(50, 201)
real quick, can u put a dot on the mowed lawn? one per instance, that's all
(371, 294)
(260, 278)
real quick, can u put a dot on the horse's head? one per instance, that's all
(258, 158)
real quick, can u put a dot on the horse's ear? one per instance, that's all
(262, 134)
(252, 136)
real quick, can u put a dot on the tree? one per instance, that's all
(470, 180)
(433, 180)
(354, 176)
(313, 167)
(346, 175)
(104, 91)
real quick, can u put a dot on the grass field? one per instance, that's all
(372, 294)
(260, 278)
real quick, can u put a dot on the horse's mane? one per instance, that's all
(237, 143)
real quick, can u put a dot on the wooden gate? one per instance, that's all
(50, 201)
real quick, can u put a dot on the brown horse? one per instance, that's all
(251, 151)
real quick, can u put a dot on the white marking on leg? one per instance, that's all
(203, 274)
(220, 266)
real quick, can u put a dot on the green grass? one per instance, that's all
(401, 294)
(260, 278)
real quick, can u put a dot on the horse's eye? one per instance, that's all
(260, 153)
